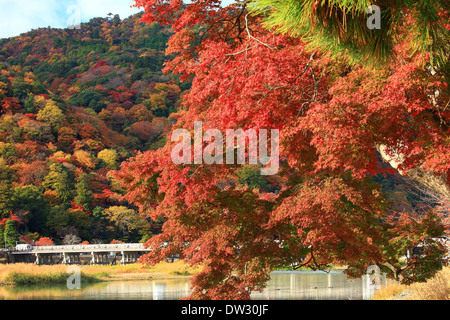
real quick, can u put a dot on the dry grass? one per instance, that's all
(22, 273)
(389, 292)
(9, 272)
(436, 288)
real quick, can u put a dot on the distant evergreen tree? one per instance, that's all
(10, 234)
(251, 176)
(59, 180)
(29, 104)
(30, 199)
(84, 195)
(2, 237)
(6, 191)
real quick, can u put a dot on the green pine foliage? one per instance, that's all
(10, 234)
(339, 26)
(2, 237)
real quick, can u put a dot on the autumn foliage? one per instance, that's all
(86, 118)
(333, 117)
(43, 242)
(74, 104)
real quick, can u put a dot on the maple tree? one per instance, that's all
(109, 157)
(51, 114)
(44, 242)
(77, 103)
(10, 104)
(334, 117)
(85, 158)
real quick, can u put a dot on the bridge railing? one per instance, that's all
(93, 247)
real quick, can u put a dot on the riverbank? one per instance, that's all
(31, 274)
(436, 288)
(21, 274)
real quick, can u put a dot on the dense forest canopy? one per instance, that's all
(74, 105)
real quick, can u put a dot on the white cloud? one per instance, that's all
(101, 8)
(17, 17)
(21, 16)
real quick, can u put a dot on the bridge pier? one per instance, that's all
(100, 258)
(129, 257)
(71, 258)
(38, 260)
(43, 259)
(23, 258)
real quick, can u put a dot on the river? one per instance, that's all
(284, 285)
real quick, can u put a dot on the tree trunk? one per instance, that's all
(437, 183)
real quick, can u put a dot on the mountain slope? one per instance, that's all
(74, 105)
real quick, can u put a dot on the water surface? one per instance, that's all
(301, 285)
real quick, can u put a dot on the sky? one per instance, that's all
(19, 16)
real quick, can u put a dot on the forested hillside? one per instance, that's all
(74, 105)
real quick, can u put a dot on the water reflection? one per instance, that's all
(282, 286)
(306, 285)
(114, 290)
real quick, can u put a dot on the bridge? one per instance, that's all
(77, 254)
